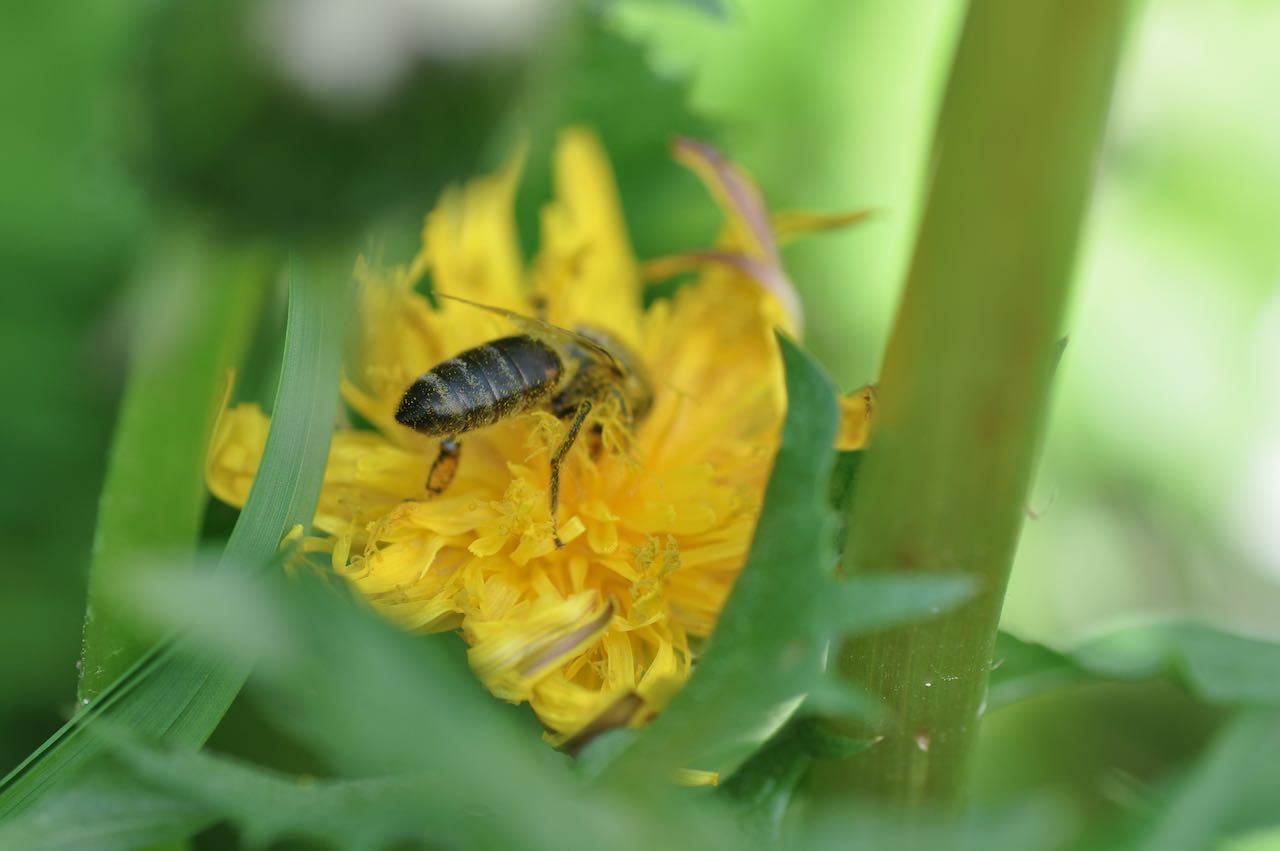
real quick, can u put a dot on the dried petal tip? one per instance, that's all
(748, 243)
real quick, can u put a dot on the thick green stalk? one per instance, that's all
(964, 388)
(198, 303)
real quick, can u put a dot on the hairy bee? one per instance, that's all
(544, 368)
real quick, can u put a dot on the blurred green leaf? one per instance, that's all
(869, 601)
(1218, 666)
(199, 303)
(69, 219)
(1233, 789)
(266, 806)
(1267, 839)
(375, 701)
(769, 645)
(762, 788)
(170, 693)
(596, 69)
(1039, 824)
(844, 483)
(1021, 669)
(146, 795)
(104, 811)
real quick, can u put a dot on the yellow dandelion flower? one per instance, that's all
(655, 521)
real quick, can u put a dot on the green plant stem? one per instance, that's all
(199, 301)
(964, 388)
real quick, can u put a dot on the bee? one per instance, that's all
(545, 367)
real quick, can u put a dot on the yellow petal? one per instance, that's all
(586, 270)
(789, 224)
(488, 545)
(512, 654)
(857, 410)
(470, 239)
(602, 537)
(239, 436)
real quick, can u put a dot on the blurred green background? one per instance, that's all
(1159, 492)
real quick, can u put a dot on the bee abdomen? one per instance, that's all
(481, 386)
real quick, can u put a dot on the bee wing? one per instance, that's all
(554, 334)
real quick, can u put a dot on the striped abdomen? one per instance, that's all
(481, 386)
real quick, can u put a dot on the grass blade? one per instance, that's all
(170, 694)
(200, 302)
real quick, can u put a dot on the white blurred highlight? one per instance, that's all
(1257, 516)
(349, 56)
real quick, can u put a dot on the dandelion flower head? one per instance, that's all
(656, 521)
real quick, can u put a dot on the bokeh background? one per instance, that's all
(1159, 491)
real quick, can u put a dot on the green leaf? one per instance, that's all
(103, 811)
(869, 601)
(1233, 789)
(199, 303)
(762, 788)
(1038, 824)
(768, 649)
(170, 693)
(1217, 666)
(768, 644)
(844, 482)
(267, 806)
(374, 701)
(667, 209)
(1266, 839)
(1021, 669)
(147, 795)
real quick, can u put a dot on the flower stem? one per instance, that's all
(964, 389)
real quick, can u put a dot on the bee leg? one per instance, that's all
(595, 441)
(539, 303)
(584, 408)
(445, 465)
